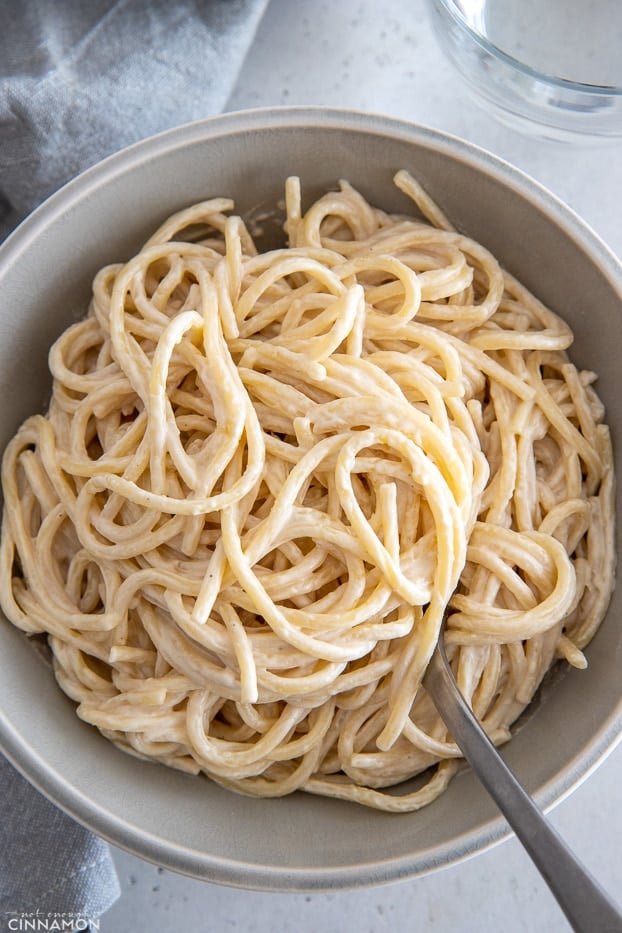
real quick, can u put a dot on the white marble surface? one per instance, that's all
(382, 56)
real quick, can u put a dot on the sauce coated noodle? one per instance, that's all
(262, 477)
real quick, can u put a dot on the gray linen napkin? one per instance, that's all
(50, 867)
(78, 81)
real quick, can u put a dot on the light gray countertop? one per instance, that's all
(382, 57)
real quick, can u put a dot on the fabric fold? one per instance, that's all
(78, 81)
(49, 863)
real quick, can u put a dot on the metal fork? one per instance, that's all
(586, 905)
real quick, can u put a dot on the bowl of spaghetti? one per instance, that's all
(286, 388)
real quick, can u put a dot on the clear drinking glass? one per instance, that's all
(553, 66)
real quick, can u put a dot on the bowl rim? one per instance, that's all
(238, 873)
(454, 9)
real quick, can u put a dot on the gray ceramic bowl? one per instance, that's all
(46, 267)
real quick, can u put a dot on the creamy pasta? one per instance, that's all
(265, 477)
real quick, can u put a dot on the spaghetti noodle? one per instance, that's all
(264, 478)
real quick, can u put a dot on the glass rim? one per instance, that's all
(453, 8)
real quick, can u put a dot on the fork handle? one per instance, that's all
(586, 905)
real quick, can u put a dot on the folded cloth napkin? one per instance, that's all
(79, 81)
(50, 867)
